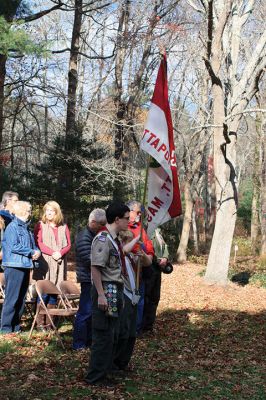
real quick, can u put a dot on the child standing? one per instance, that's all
(128, 319)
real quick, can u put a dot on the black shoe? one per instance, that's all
(120, 371)
(104, 382)
(147, 333)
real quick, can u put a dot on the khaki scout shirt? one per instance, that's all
(106, 257)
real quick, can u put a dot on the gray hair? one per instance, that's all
(98, 215)
(132, 203)
(8, 196)
(21, 208)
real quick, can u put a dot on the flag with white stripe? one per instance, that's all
(158, 141)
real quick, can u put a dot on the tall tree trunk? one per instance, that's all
(72, 133)
(256, 188)
(263, 193)
(226, 193)
(7, 10)
(182, 248)
(231, 94)
(119, 136)
(12, 136)
(2, 94)
(46, 110)
(209, 196)
(254, 229)
(195, 232)
(71, 130)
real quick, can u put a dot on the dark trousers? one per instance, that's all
(140, 305)
(151, 298)
(127, 334)
(16, 286)
(82, 327)
(105, 332)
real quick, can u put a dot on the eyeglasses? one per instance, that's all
(137, 212)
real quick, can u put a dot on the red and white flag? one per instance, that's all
(158, 141)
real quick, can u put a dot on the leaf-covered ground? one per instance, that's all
(209, 343)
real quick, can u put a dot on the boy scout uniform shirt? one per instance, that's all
(105, 257)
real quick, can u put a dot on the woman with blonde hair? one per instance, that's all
(53, 239)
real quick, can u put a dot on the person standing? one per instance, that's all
(9, 199)
(135, 227)
(128, 320)
(82, 325)
(107, 266)
(53, 239)
(19, 252)
(153, 284)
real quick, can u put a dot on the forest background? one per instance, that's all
(76, 78)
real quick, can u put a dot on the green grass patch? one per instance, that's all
(259, 279)
(6, 348)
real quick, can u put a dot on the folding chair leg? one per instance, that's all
(34, 321)
(55, 330)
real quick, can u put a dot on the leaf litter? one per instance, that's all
(208, 343)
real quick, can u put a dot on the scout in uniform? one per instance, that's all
(107, 266)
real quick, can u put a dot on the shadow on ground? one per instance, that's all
(192, 355)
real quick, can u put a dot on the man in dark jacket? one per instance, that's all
(82, 326)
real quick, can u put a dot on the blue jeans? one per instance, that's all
(48, 299)
(16, 286)
(82, 326)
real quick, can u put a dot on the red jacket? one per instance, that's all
(134, 227)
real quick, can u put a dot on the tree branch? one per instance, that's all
(40, 14)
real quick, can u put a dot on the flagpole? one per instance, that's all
(145, 189)
(141, 219)
(162, 52)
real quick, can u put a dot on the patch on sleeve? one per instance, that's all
(102, 238)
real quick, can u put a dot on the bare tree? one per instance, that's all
(262, 136)
(231, 93)
(8, 10)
